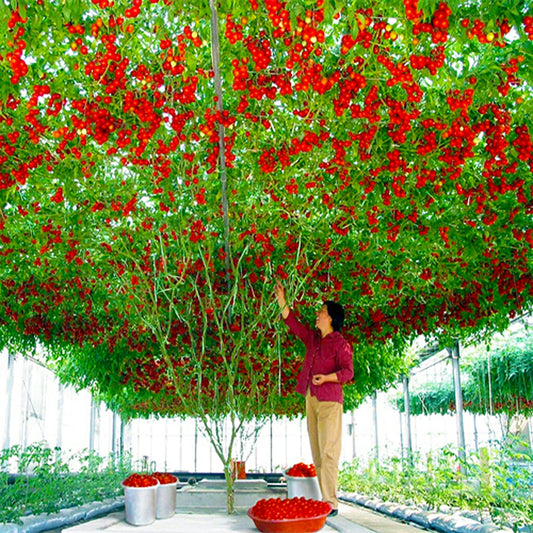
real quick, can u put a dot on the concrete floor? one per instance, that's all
(351, 519)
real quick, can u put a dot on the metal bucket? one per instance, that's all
(166, 500)
(140, 504)
(303, 487)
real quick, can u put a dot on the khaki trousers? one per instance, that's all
(324, 425)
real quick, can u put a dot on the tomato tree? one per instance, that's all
(163, 161)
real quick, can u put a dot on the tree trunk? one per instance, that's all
(230, 493)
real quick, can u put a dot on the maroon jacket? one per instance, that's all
(333, 353)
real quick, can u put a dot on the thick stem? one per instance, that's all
(230, 488)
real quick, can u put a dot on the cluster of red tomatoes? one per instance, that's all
(301, 470)
(528, 26)
(149, 480)
(291, 508)
(164, 478)
(140, 480)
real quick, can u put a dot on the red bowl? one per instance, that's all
(289, 525)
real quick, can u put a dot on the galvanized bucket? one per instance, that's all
(140, 504)
(166, 500)
(303, 487)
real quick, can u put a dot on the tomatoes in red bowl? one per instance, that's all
(292, 515)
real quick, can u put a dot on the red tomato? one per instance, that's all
(291, 508)
(165, 478)
(302, 470)
(140, 480)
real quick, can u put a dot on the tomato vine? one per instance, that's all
(377, 152)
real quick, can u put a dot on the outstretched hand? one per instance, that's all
(280, 293)
(280, 296)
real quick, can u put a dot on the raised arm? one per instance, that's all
(303, 332)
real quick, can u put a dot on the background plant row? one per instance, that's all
(493, 482)
(38, 479)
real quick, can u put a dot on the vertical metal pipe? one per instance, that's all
(407, 416)
(26, 380)
(181, 444)
(476, 441)
(459, 422)
(401, 435)
(122, 428)
(151, 439)
(301, 437)
(114, 433)
(353, 434)
(271, 447)
(286, 442)
(60, 402)
(195, 445)
(375, 416)
(166, 445)
(217, 78)
(43, 411)
(256, 456)
(10, 379)
(92, 425)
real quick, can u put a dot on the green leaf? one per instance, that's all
(191, 62)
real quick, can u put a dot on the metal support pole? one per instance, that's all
(92, 425)
(353, 434)
(59, 430)
(10, 379)
(476, 441)
(375, 416)
(401, 435)
(301, 437)
(166, 444)
(114, 434)
(26, 380)
(407, 416)
(181, 444)
(195, 445)
(151, 437)
(121, 442)
(458, 401)
(271, 447)
(215, 57)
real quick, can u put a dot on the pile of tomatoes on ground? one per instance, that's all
(301, 470)
(149, 480)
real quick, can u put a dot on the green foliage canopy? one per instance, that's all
(378, 153)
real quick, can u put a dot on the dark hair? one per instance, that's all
(336, 312)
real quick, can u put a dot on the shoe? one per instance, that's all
(334, 512)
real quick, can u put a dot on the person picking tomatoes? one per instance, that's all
(328, 363)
